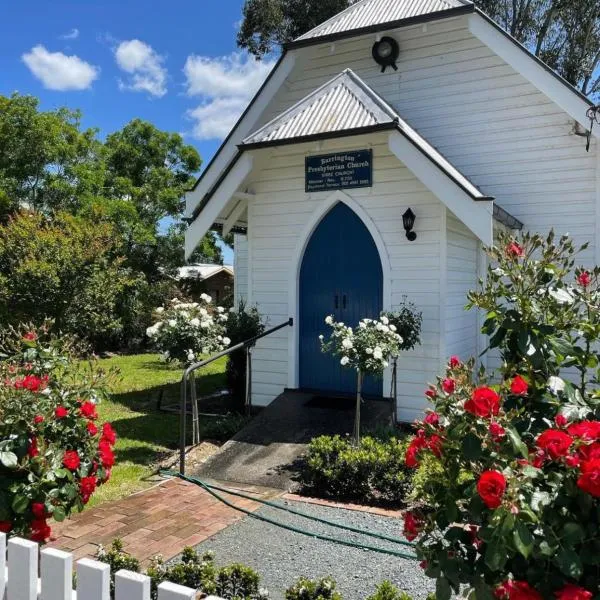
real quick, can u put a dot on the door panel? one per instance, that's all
(341, 275)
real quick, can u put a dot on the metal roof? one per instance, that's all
(342, 104)
(369, 13)
(346, 105)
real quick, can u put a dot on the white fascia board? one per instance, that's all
(476, 215)
(521, 60)
(210, 213)
(229, 149)
(235, 214)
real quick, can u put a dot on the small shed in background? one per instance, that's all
(214, 280)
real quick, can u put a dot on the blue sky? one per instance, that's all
(172, 63)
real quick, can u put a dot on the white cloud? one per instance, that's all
(145, 67)
(226, 85)
(72, 35)
(60, 72)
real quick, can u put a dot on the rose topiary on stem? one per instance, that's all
(514, 508)
(53, 452)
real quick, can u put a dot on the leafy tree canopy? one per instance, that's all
(563, 33)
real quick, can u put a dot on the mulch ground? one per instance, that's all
(161, 520)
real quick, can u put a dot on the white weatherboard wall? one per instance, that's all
(281, 211)
(488, 120)
(240, 268)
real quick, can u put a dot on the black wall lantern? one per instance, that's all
(408, 219)
(386, 52)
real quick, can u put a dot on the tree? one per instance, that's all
(563, 33)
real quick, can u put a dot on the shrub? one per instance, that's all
(373, 471)
(184, 331)
(243, 323)
(53, 455)
(516, 512)
(311, 589)
(388, 591)
(238, 582)
(118, 559)
(408, 322)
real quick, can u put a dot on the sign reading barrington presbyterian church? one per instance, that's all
(342, 170)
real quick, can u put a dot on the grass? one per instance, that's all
(145, 435)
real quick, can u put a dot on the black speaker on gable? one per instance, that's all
(386, 52)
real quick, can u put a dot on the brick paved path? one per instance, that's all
(161, 520)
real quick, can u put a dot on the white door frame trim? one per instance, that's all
(294, 276)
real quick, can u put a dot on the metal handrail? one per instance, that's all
(196, 366)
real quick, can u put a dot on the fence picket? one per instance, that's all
(23, 564)
(93, 580)
(3, 570)
(57, 575)
(131, 586)
(172, 591)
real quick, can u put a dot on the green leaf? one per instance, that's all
(573, 533)
(9, 459)
(569, 563)
(523, 539)
(471, 447)
(495, 555)
(20, 504)
(517, 443)
(443, 590)
(59, 513)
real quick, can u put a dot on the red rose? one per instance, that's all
(87, 486)
(60, 412)
(449, 385)
(108, 434)
(491, 487)
(107, 458)
(32, 449)
(589, 452)
(38, 419)
(584, 279)
(587, 430)
(5, 526)
(572, 461)
(39, 510)
(88, 410)
(435, 444)
(40, 530)
(560, 420)
(554, 442)
(71, 460)
(432, 419)
(31, 383)
(519, 386)
(497, 431)
(517, 590)
(411, 459)
(91, 428)
(454, 362)
(484, 402)
(513, 249)
(30, 336)
(412, 526)
(589, 480)
(430, 394)
(573, 592)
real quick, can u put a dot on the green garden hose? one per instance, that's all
(211, 490)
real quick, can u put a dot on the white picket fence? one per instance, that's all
(19, 577)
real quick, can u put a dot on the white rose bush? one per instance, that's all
(184, 331)
(367, 349)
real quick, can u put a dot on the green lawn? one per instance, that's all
(145, 435)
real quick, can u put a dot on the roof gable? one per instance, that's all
(373, 13)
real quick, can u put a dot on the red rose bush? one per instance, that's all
(513, 508)
(53, 452)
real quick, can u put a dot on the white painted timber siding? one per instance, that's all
(279, 214)
(461, 276)
(511, 140)
(240, 267)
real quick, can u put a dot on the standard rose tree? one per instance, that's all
(512, 509)
(53, 452)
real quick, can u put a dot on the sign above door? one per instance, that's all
(339, 171)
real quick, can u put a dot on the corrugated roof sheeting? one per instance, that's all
(367, 13)
(344, 103)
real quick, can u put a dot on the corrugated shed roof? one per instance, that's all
(367, 13)
(347, 104)
(344, 103)
(202, 271)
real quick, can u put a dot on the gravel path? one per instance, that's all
(281, 556)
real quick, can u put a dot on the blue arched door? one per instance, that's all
(341, 275)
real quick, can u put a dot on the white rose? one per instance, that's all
(195, 322)
(150, 332)
(369, 350)
(385, 364)
(226, 341)
(345, 360)
(385, 320)
(377, 353)
(220, 309)
(190, 356)
(160, 310)
(362, 325)
(205, 324)
(329, 320)
(321, 337)
(347, 344)
(166, 355)
(172, 322)
(393, 328)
